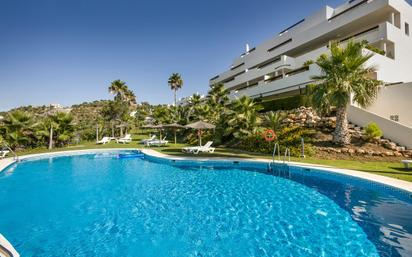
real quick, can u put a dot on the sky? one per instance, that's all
(68, 51)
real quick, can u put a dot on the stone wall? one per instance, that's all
(307, 117)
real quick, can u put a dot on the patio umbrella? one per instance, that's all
(200, 125)
(174, 126)
(149, 126)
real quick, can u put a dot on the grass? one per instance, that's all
(389, 169)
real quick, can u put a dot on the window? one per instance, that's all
(407, 28)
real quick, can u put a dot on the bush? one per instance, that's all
(286, 137)
(373, 131)
(308, 63)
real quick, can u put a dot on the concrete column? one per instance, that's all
(384, 47)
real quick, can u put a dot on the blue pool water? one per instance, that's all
(103, 205)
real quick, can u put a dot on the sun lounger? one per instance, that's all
(125, 140)
(3, 153)
(144, 141)
(162, 142)
(407, 163)
(200, 149)
(103, 141)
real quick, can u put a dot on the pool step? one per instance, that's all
(278, 169)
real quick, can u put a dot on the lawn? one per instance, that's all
(389, 169)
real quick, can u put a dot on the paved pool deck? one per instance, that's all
(401, 184)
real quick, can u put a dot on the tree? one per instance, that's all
(344, 75)
(217, 100)
(273, 120)
(18, 129)
(175, 82)
(64, 127)
(57, 128)
(244, 119)
(115, 111)
(122, 93)
(195, 107)
(119, 109)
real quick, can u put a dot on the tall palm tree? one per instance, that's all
(175, 82)
(344, 76)
(122, 93)
(118, 88)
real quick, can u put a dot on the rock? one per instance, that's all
(351, 151)
(360, 151)
(388, 154)
(400, 148)
(390, 145)
(397, 154)
(345, 150)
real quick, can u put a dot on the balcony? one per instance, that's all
(250, 75)
(291, 82)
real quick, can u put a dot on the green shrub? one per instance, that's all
(308, 63)
(373, 131)
(373, 48)
(286, 137)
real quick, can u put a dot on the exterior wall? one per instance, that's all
(395, 100)
(380, 22)
(392, 130)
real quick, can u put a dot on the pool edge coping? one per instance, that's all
(396, 183)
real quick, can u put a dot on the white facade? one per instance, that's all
(279, 67)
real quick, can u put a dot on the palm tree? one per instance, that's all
(55, 128)
(244, 119)
(273, 120)
(64, 127)
(217, 100)
(344, 75)
(17, 129)
(175, 82)
(122, 93)
(118, 88)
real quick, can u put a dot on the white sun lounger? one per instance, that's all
(144, 141)
(200, 149)
(162, 142)
(103, 141)
(125, 140)
(407, 163)
(3, 153)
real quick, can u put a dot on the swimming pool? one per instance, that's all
(98, 204)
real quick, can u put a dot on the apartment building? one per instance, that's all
(283, 65)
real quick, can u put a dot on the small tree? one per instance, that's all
(373, 131)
